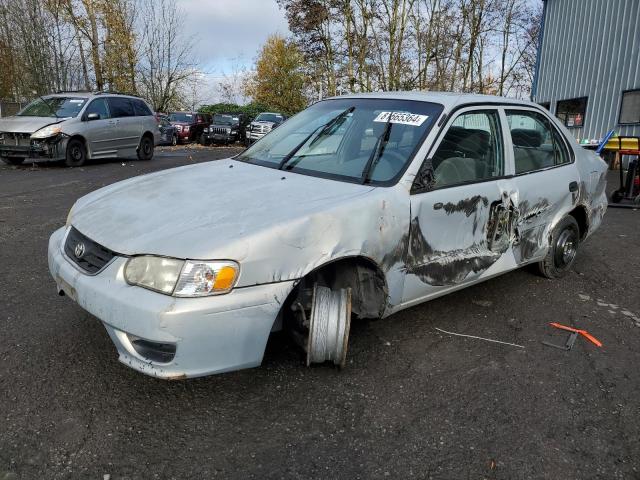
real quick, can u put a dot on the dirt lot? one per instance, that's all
(412, 403)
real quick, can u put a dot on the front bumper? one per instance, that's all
(211, 334)
(220, 137)
(253, 136)
(52, 149)
(182, 135)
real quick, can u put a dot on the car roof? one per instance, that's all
(79, 94)
(448, 99)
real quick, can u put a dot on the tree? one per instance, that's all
(166, 55)
(278, 81)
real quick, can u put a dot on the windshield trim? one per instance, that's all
(357, 180)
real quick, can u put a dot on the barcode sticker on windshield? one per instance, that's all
(402, 117)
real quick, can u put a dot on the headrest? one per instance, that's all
(522, 137)
(475, 141)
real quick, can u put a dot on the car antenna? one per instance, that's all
(322, 128)
(378, 150)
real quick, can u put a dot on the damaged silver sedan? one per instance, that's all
(358, 207)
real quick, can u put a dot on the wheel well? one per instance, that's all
(580, 214)
(365, 278)
(80, 138)
(147, 134)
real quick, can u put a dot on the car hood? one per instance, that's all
(214, 208)
(261, 122)
(17, 124)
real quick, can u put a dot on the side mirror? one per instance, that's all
(425, 178)
(93, 116)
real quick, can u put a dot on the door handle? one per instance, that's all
(573, 187)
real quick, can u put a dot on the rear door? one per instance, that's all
(546, 180)
(461, 222)
(128, 128)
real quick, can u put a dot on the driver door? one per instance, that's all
(461, 224)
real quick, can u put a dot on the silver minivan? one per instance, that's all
(77, 126)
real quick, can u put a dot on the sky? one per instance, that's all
(229, 33)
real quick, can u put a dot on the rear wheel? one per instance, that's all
(12, 160)
(76, 153)
(617, 196)
(565, 240)
(145, 150)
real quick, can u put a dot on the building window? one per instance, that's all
(571, 112)
(546, 105)
(630, 109)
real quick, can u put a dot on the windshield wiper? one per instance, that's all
(378, 150)
(323, 128)
(48, 106)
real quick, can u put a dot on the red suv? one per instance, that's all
(189, 125)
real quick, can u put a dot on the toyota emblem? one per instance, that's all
(79, 250)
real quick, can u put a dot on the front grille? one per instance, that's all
(261, 128)
(87, 254)
(16, 139)
(220, 130)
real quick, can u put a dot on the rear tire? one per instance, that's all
(617, 196)
(565, 240)
(145, 149)
(12, 160)
(76, 153)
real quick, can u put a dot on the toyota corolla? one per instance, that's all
(357, 207)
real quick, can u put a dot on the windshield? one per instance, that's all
(181, 117)
(222, 119)
(269, 117)
(62, 107)
(360, 146)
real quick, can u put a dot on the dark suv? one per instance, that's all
(225, 128)
(189, 125)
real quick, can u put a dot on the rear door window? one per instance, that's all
(141, 108)
(536, 143)
(120, 107)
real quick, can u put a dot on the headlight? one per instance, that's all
(155, 273)
(201, 278)
(180, 278)
(47, 132)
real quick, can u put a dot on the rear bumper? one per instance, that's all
(51, 149)
(210, 335)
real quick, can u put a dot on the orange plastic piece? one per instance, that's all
(584, 333)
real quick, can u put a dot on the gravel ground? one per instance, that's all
(412, 403)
